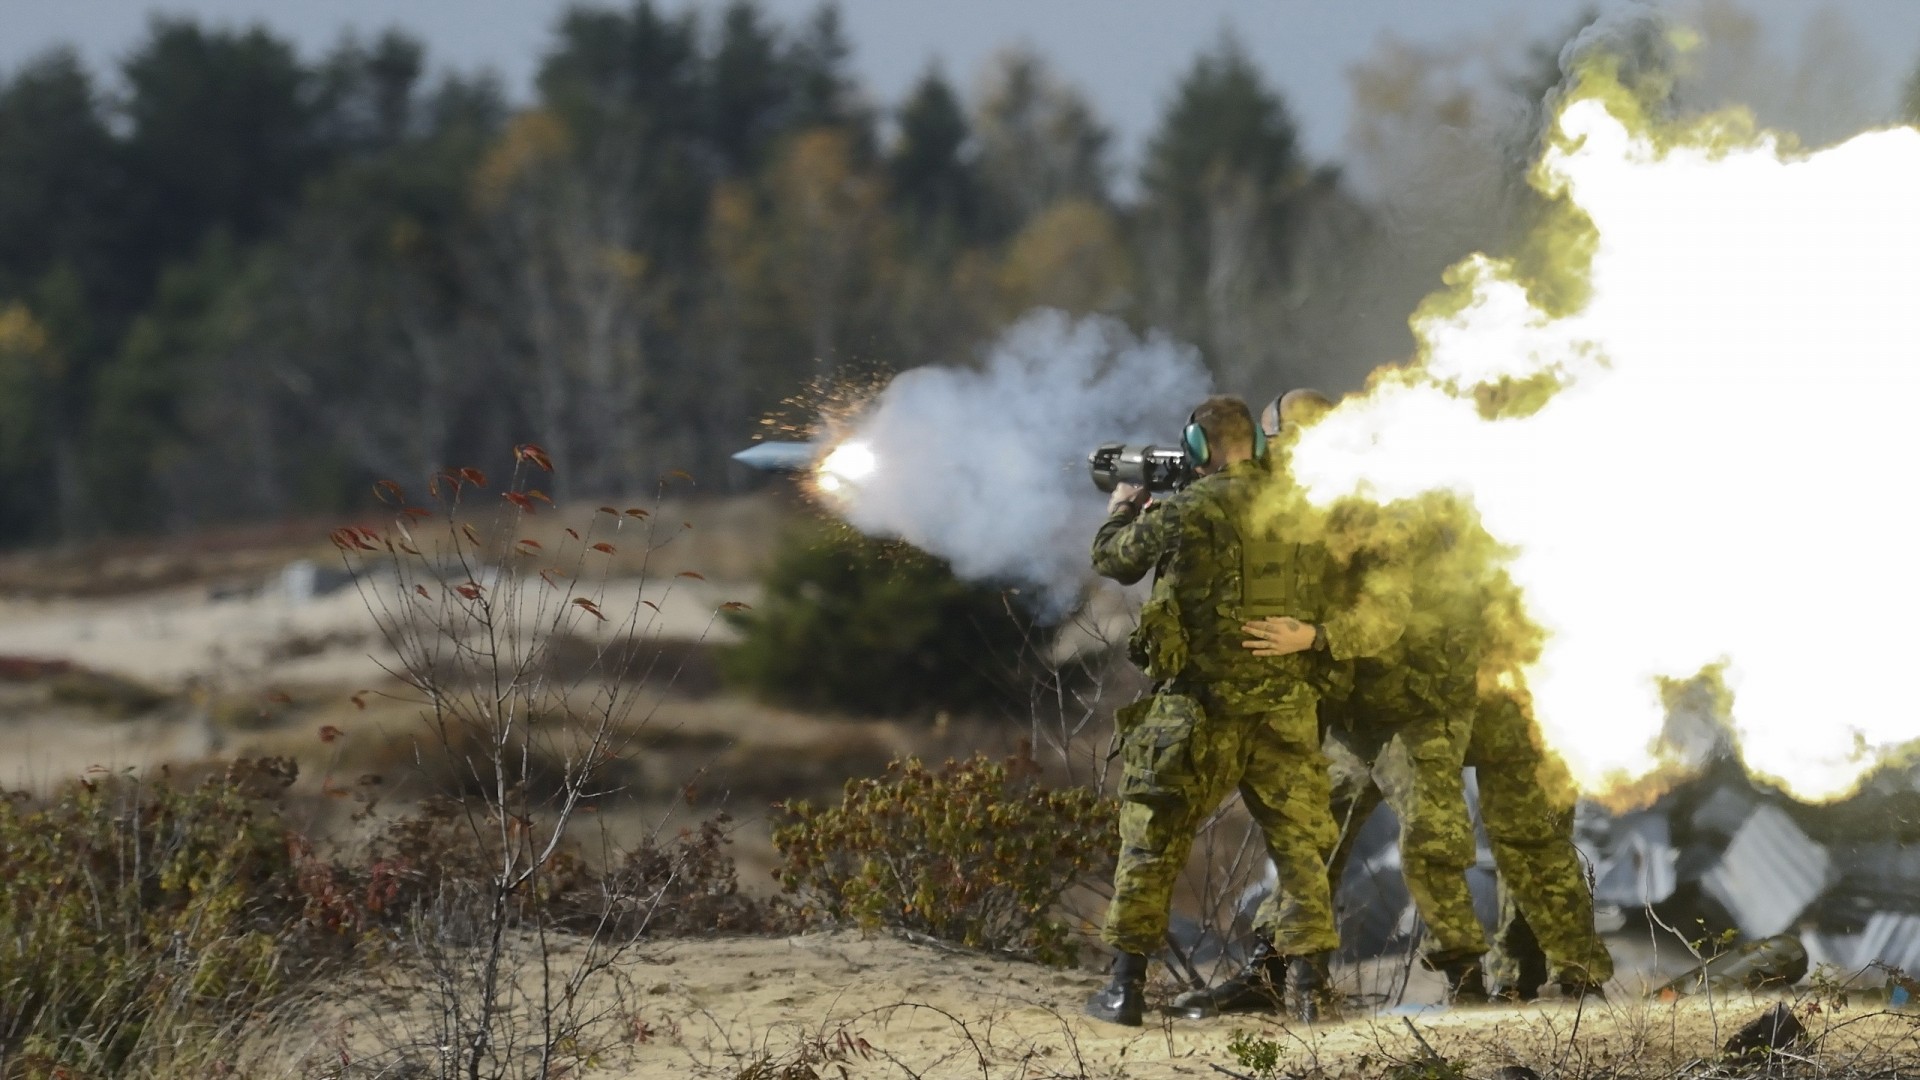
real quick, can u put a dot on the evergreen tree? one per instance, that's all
(1039, 141)
(62, 289)
(57, 174)
(223, 132)
(823, 91)
(368, 95)
(930, 176)
(1225, 190)
(608, 73)
(1224, 122)
(747, 90)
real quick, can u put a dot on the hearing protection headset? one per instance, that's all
(1194, 440)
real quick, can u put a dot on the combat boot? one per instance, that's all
(1124, 998)
(1259, 987)
(1577, 987)
(1516, 967)
(1533, 972)
(1466, 982)
(1309, 988)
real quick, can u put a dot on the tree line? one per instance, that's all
(242, 284)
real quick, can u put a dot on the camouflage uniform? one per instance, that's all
(1223, 550)
(1458, 638)
(1547, 904)
(1405, 720)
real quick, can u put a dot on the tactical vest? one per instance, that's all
(1433, 668)
(1262, 557)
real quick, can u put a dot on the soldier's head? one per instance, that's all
(1293, 409)
(1219, 433)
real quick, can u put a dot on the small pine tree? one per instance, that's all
(877, 628)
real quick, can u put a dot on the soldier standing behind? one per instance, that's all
(1526, 802)
(1451, 694)
(1226, 549)
(1401, 718)
(1545, 928)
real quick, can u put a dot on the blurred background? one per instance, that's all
(254, 256)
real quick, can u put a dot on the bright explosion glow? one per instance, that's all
(848, 463)
(1724, 476)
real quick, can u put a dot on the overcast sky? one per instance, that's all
(1126, 54)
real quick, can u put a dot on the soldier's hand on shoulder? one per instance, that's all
(1277, 635)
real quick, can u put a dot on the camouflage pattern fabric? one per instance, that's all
(1403, 716)
(1207, 582)
(1467, 628)
(1531, 833)
(1187, 753)
(1414, 763)
(1515, 962)
(1230, 546)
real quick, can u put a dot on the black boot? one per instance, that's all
(1518, 979)
(1575, 987)
(1466, 983)
(1309, 988)
(1124, 997)
(1533, 972)
(1524, 952)
(1259, 987)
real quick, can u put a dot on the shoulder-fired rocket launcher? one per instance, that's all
(1156, 468)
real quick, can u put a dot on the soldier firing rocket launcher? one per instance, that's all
(1156, 468)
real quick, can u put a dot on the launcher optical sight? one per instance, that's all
(1156, 468)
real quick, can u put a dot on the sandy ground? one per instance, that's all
(847, 1005)
(194, 648)
(169, 636)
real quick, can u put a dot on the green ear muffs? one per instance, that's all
(1193, 439)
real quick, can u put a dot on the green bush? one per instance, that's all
(978, 853)
(877, 628)
(137, 916)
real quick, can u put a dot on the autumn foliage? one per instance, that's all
(979, 852)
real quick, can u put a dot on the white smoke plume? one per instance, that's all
(987, 467)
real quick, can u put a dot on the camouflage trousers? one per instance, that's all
(1546, 902)
(1545, 927)
(1415, 765)
(1181, 759)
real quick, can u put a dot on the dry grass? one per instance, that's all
(731, 539)
(845, 1005)
(126, 565)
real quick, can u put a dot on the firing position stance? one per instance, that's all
(1401, 725)
(1230, 547)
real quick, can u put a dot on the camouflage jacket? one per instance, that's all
(1238, 544)
(1465, 614)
